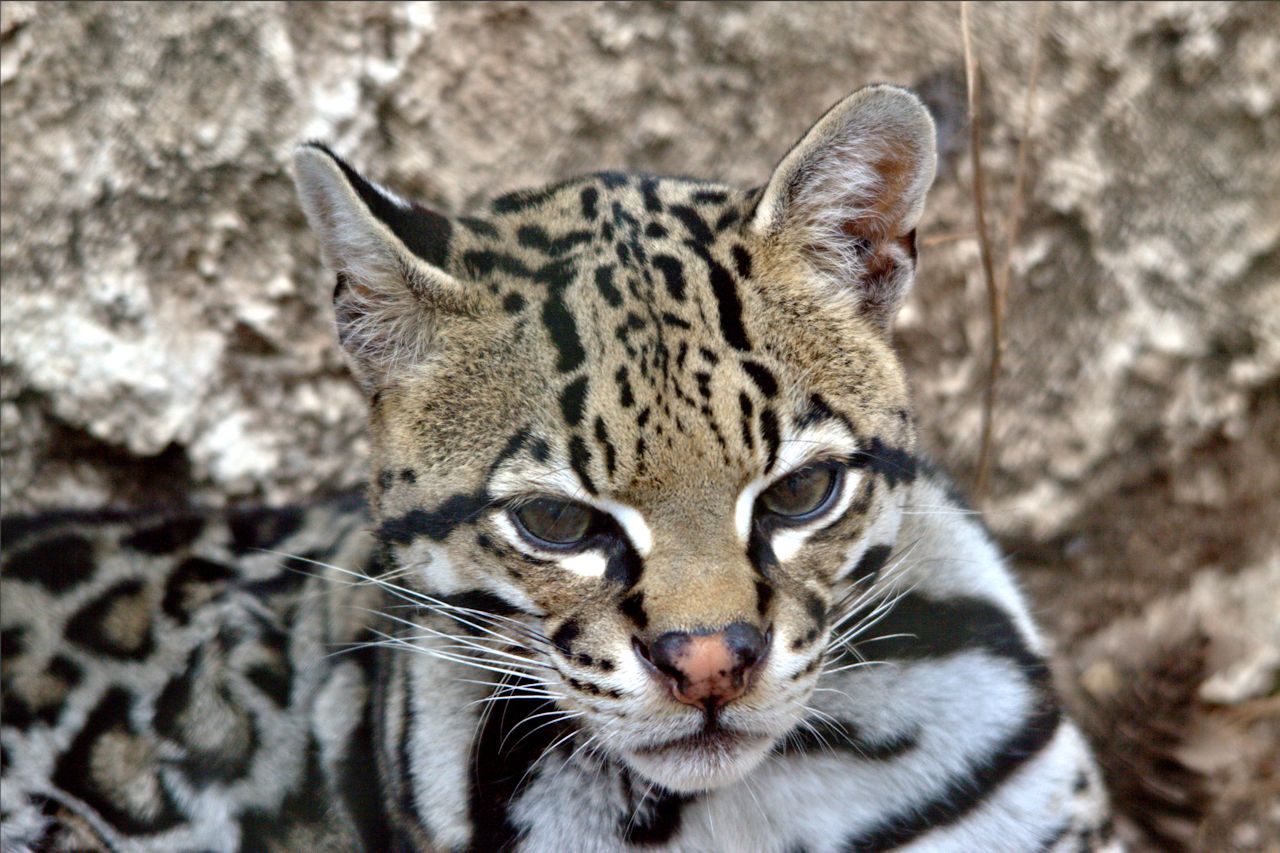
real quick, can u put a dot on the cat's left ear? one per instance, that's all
(849, 195)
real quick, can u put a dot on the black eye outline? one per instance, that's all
(837, 471)
(595, 524)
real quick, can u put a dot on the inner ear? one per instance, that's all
(850, 193)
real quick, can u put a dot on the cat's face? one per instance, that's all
(649, 431)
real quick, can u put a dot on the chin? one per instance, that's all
(701, 762)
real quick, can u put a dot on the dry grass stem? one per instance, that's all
(995, 299)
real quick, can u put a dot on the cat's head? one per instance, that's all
(657, 422)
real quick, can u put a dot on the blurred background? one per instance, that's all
(166, 336)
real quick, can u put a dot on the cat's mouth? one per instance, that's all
(711, 739)
(709, 758)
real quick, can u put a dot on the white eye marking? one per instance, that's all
(745, 508)
(588, 564)
(631, 521)
(829, 437)
(787, 541)
(565, 484)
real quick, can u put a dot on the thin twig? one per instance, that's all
(995, 299)
(1014, 223)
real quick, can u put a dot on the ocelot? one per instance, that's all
(649, 558)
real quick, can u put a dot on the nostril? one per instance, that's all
(746, 643)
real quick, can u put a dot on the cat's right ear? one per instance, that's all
(390, 256)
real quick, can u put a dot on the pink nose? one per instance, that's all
(707, 669)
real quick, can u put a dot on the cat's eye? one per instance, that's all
(553, 523)
(803, 494)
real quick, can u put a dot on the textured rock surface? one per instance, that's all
(165, 333)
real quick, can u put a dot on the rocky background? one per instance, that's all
(166, 336)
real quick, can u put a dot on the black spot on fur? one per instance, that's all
(728, 304)
(478, 226)
(764, 596)
(610, 453)
(592, 688)
(704, 383)
(515, 442)
(90, 628)
(604, 284)
(762, 377)
(816, 608)
(871, 563)
(194, 581)
(649, 190)
(385, 480)
(589, 197)
(77, 771)
(817, 411)
(58, 563)
(742, 261)
(503, 760)
(748, 436)
(693, 222)
(13, 643)
(483, 601)
(626, 398)
(263, 529)
(436, 524)
(727, 220)
(573, 401)
(673, 274)
(520, 200)
(622, 564)
(536, 237)
(676, 321)
(655, 230)
(564, 636)
(275, 682)
(513, 303)
(166, 537)
(656, 821)
(894, 464)
(632, 607)
(580, 462)
(562, 330)
(772, 436)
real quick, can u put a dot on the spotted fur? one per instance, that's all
(660, 351)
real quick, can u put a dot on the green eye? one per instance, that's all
(804, 493)
(553, 523)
